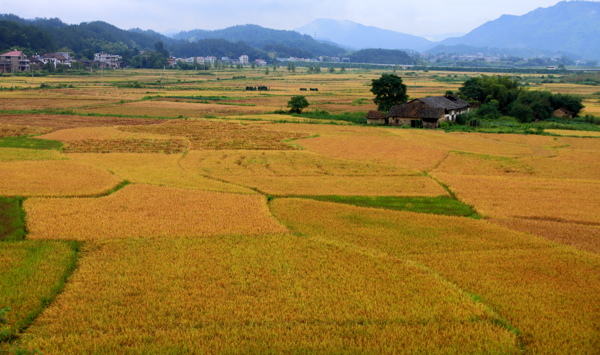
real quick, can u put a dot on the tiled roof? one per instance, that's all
(13, 54)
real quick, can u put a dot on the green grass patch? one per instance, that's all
(32, 274)
(442, 205)
(353, 117)
(12, 219)
(29, 143)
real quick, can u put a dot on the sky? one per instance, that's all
(416, 17)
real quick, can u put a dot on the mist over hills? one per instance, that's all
(357, 36)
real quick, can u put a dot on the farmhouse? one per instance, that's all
(427, 112)
(14, 61)
(375, 117)
(563, 113)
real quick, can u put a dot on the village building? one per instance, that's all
(563, 113)
(14, 61)
(376, 118)
(55, 59)
(428, 112)
(244, 59)
(111, 61)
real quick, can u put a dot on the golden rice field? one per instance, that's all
(539, 287)
(185, 203)
(145, 211)
(54, 178)
(239, 294)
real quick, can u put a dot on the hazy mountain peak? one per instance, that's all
(355, 35)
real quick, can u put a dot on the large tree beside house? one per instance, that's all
(389, 91)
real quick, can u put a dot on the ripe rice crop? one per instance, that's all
(53, 178)
(219, 135)
(536, 198)
(387, 150)
(564, 132)
(481, 164)
(463, 142)
(584, 237)
(538, 287)
(258, 295)
(283, 163)
(31, 274)
(567, 164)
(9, 130)
(37, 102)
(157, 169)
(145, 211)
(166, 146)
(340, 185)
(17, 154)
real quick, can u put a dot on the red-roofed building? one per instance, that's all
(14, 61)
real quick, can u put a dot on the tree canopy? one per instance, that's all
(297, 104)
(503, 96)
(389, 91)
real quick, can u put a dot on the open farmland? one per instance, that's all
(171, 212)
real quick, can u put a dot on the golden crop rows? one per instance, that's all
(17, 154)
(157, 169)
(139, 211)
(539, 287)
(266, 294)
(528, 197)
(54, 178)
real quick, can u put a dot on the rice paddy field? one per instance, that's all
(174, 212)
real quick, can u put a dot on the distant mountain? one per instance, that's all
(282, 43)
(355, 35)
(567, 27)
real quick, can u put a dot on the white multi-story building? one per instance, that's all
(244, 60)
(111, 60)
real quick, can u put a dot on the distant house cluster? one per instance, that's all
(17, 61)
(242, 60)
(426, 112)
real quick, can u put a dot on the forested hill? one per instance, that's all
(567, 27)
(382, 56)
(283, 43)
(85, 39)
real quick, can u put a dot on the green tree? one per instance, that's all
(389, 91)
(331, 69)
(297, 104)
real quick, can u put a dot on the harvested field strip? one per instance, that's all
(29, 143)
(56, 122)
(570, 133)
(9, 130)
(583, 237)
(262, 294)
(146, 211)
(12, 219)
(166, 146)
(32, 273)
(542, 198)
(54, 178)
(21, 154)
(284, 163)
(442, 205)
(339, 185)
(539, 287)
(102, 133)
(157, 169)
(221, 135)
